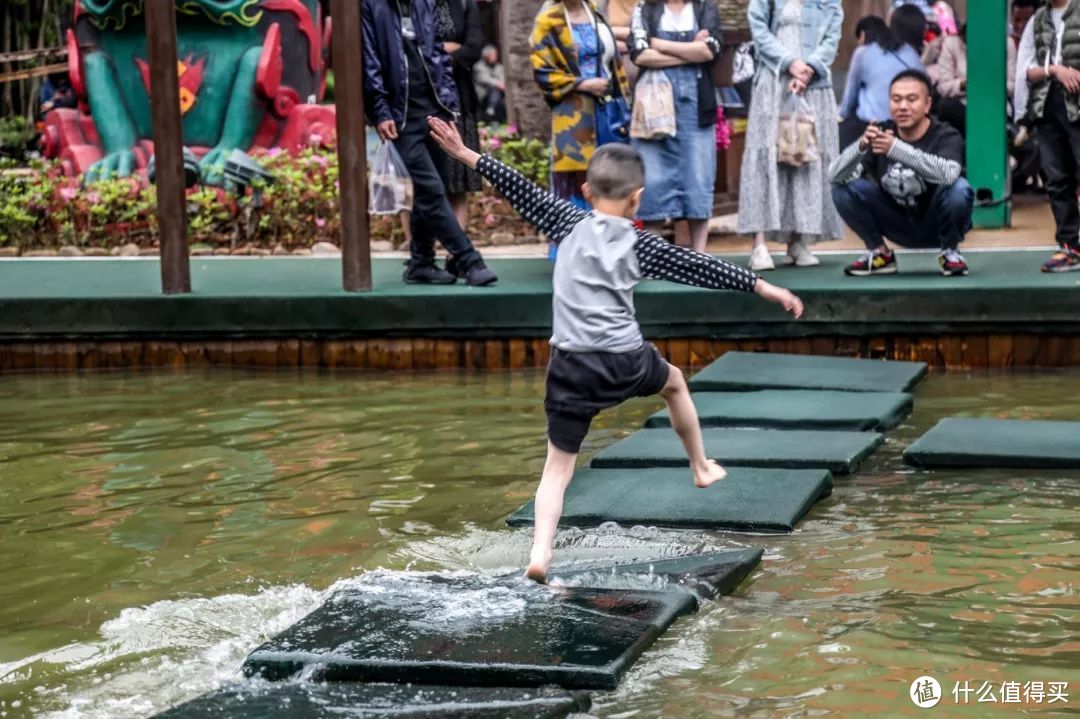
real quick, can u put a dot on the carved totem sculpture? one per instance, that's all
(252, 73)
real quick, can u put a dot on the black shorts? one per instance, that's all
(580, 384)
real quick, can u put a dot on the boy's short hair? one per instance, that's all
(917, 75)
(615, 172)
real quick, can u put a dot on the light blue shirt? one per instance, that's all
(873, 68)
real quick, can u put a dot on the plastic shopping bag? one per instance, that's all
(796, 137)
(390, 189)
(654, 107)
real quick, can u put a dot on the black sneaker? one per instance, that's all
(477, 274)
(427, 274)
(873, 263)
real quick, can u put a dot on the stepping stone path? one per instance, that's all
(311, 700)
(740, 371)
(837, 452)
(705, 575)
(748, 500)
(425, 645)
(1017, 443)
(799, 409)
(464, 631)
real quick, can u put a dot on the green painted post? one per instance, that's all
(987, 144)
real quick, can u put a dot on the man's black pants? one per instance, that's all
(432, 216)
(1059, 144)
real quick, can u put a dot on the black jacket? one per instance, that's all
(386, 75)
(468, 33)
(644, 26)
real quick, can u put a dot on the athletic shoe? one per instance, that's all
(427, 274)
(1067, 260)
(761, 260)
(477, 274)
(799, 254)
(873, 263)
(952, 264)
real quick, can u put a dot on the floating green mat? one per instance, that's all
(739, 371)
(706, 575)
(798, 409)
(471, 631)
(1018, 443)
(838, 452)
(749, 499)
(307, 700)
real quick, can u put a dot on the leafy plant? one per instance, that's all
(527, 155)
(15, 135)
(40, 208)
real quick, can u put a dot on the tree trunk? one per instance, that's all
(525, 105)
(7, 105)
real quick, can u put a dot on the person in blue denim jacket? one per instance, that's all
(795, 43)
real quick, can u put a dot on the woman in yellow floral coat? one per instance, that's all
(575, 62)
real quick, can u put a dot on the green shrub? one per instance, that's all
(40, 208)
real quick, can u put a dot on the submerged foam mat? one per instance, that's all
(760, 500)
(471, 631)
(707, 575)
(798, 409)
(308, 700)
(838, 452)
(738, 371)
(958, 442)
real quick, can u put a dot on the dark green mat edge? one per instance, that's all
(523, 517)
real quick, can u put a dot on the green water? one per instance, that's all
(157, 527)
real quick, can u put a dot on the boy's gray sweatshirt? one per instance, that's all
(601, 260)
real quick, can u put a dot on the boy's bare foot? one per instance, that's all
(711, 472)
(539, 563)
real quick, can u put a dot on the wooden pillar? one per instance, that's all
(352, 145)
(168, 146)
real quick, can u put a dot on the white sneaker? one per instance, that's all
(799, 254)
(761, 260)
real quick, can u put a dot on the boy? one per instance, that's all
(599, 358)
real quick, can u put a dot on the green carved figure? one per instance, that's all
(251, 74)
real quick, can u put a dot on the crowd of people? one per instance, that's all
(887, 160)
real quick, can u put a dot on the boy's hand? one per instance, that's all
(779, 295)
(447, 137)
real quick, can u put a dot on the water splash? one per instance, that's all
(153, 657)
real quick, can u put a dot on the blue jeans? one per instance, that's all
(873, 215)
(680, 171)
(432, 216)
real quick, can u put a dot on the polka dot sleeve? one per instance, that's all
(547, 213)
(661, 260)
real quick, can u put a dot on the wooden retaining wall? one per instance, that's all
(944, 352)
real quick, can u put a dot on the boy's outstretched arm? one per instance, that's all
(547, 213)
(661, 260)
